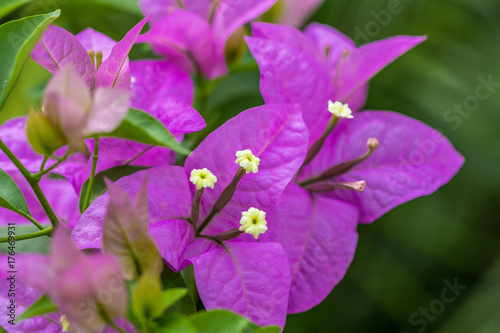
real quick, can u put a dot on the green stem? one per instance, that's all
(38, 176)
(44, 232)
(86, 203)
(32, 220)
(33, 183)
(42, 166)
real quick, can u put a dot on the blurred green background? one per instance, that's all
(403, 259)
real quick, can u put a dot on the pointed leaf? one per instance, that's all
(172, 280)
(17, 39)
(170, 296)
(142, 127)
(146, 301)
(114, 70)
(42, 306)
(125, 233)
(365, 62)
(59, 48)
(11, 196)
(251, 279)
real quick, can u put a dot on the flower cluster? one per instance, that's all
(265, 208)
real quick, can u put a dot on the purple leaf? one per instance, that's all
(274, 133)
(251, 279)
(13, 134)
(413, 160)
(290, 36)
(155, 79)
(291, 76)
(172, 239)
(58, 48)
(169, 196)
(114, 70)
(319, 239)
(166, 92)
(365, 62)
(232, 14)
(187, 40)
(177, 116)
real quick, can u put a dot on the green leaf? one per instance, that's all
(17, 39)
(99, 185)
(42, 306)
(175, 323)
(170, 296)
(8, 6)
(172, 280)
(145, 301)
(11, 196)
(222, 321)
(142, 127)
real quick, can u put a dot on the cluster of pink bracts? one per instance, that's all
(304, 177)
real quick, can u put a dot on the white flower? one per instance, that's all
(202, 178)
(247, 160)
(253, 222)
(340, 110)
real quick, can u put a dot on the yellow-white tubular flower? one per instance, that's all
(253, 222)
(247, 160)
(202, 178)
(65, 324)
(340, 110)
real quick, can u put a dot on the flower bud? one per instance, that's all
(228, 235)
(372, 144)
(43, 136)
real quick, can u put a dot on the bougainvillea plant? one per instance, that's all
(158, 226)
